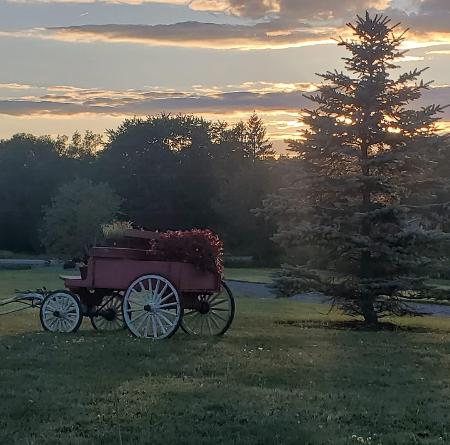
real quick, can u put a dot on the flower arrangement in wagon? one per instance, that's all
(202, 248)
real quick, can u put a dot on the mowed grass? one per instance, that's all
(252, 275)
(32, 279)
(284, 374)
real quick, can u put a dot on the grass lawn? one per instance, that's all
(31, 279)
(252, 275)
(284, 374)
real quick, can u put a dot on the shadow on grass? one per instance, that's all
(353, 325)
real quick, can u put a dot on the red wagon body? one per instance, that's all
(116, 268)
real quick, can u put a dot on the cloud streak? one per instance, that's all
(189, 34)
(69, 100)
(262, 96)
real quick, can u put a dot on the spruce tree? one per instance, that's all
(257, 142)
(365, 192)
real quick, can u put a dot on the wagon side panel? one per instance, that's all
(116, 273)
(193, 279)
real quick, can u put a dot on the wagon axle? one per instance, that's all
(108, 314)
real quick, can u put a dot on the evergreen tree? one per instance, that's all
(257, 143)
(365, 192)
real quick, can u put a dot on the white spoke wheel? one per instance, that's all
(109, 315)
(214, 315)
(151, 308)
(61, 312)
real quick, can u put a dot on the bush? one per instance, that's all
(75, 218)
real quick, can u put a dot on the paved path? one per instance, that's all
(31, 263)
(260, 290)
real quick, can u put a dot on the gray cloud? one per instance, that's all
(146, 103)
(264, 97)
(196, 34)
(430, 16)
(291, 9)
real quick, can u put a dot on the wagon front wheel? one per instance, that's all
(151, 308)
(61, 312)
(212, 316)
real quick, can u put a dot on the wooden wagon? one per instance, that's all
(124, 286)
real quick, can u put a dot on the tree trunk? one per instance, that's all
(368, 311)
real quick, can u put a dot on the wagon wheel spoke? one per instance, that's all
(160, 323)
(157, 289)
(136, 303)
(146, 326)
(208, 322)
(154, 327)
(166, 298)
(168, 305)
(200, 321)
(52, 323)
(214, 322)
(165, 311)
(142, 321)
(190, 312)
(161, 293)
(51, 308)
(150, 288)
(131, 311)
(195, 319)
(139, 317)
(214, 314)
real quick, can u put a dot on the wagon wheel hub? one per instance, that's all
(148, 308)
(57, 314)
(204, 307)
(109, 314)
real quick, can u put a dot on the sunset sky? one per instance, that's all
(81, 64)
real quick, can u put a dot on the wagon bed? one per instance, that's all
(116, 268)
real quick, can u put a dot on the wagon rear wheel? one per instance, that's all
(109, 315)
(214, 315)
(61, 312)
(151, 308)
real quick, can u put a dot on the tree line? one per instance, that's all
(162, 172)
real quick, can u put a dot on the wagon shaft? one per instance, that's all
(27, 299)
